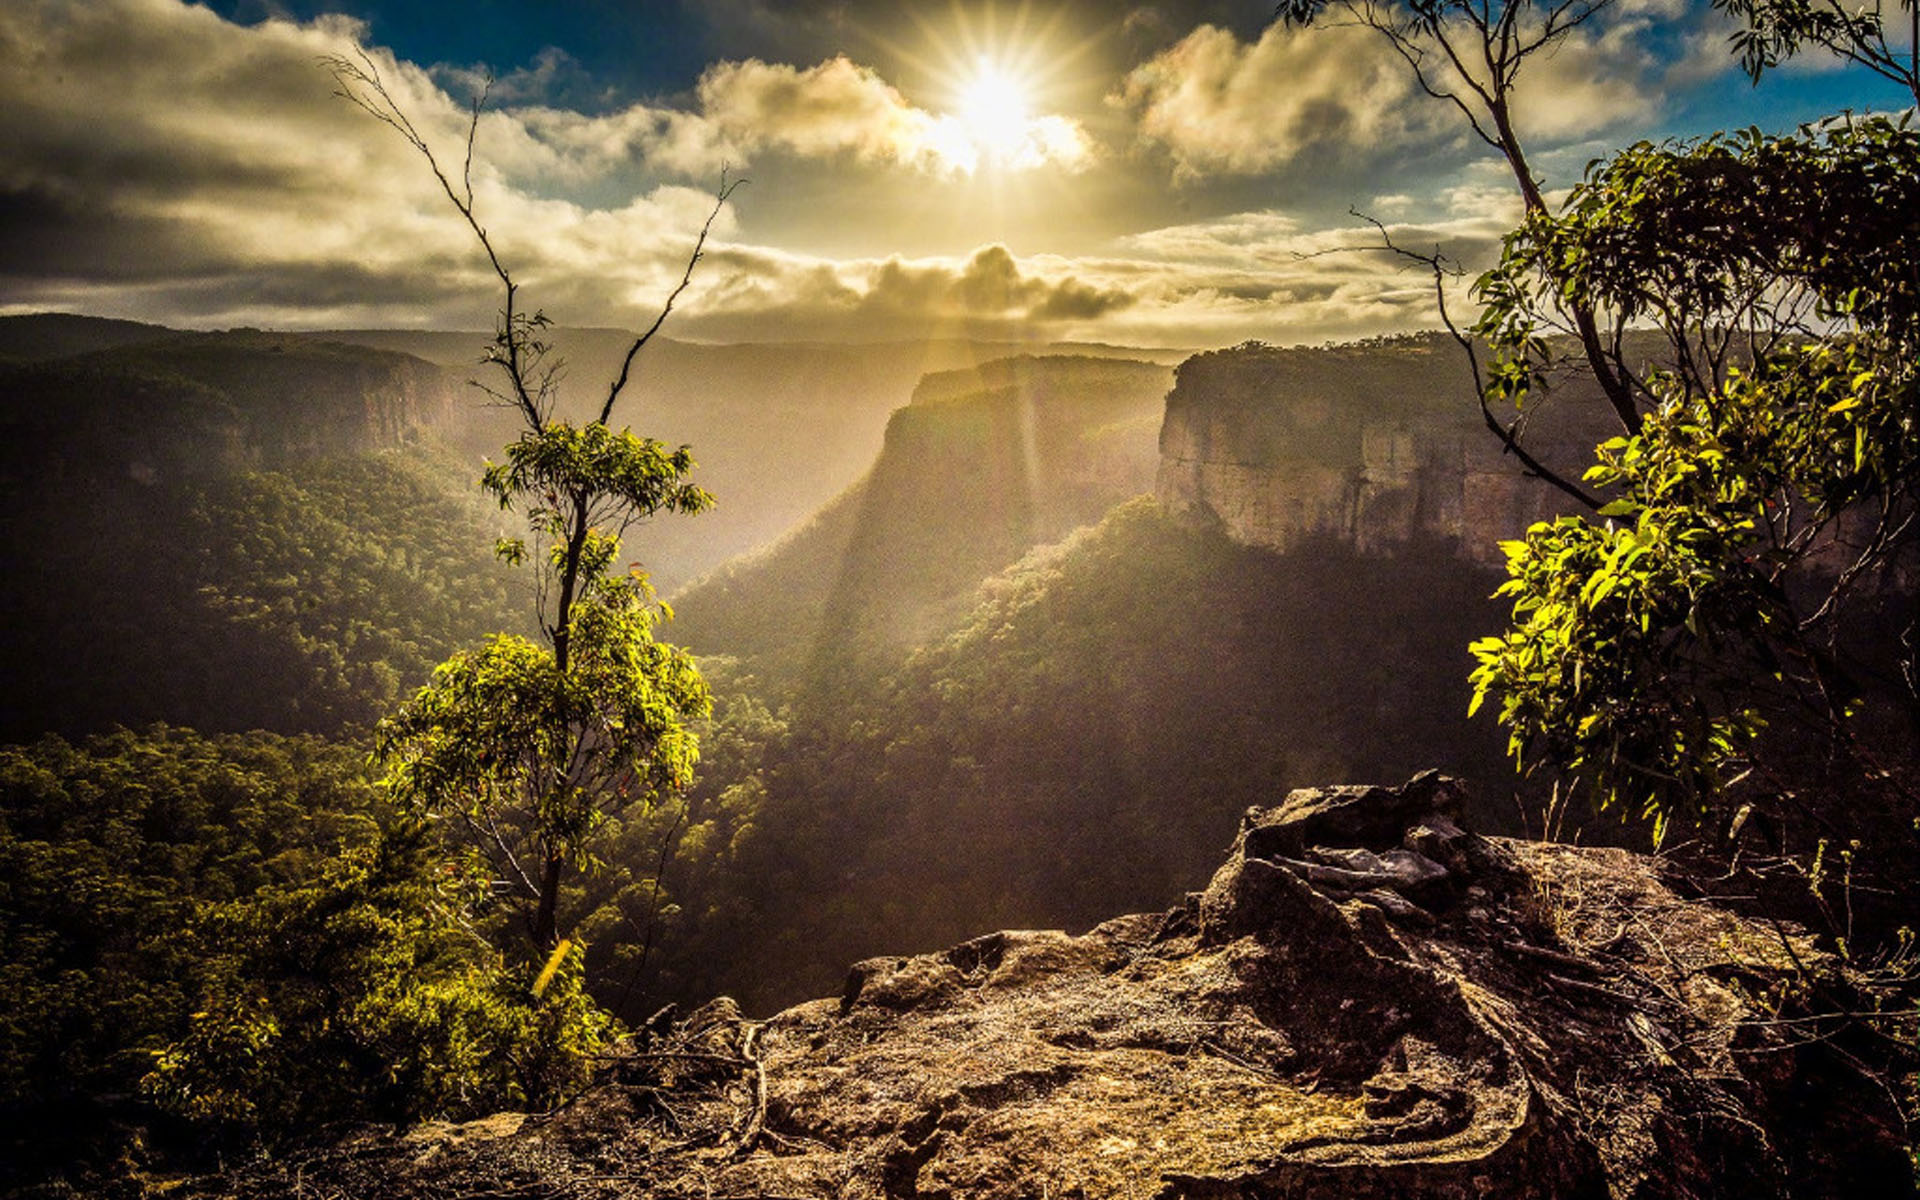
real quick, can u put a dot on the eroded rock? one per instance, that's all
(1364, 1002)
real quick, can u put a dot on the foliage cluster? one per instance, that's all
(301, 599)
(236, 933)
(1722, 631)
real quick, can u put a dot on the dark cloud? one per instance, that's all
(990, 284)
(1071, 300)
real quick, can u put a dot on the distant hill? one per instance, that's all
(195, 404)
(985, 463)
(297, 396)
(233, 530)
(778, 429)
(159, 484)
(38, 337)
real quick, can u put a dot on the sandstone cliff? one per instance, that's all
(985, 463)
(296, 397)
(1372, 443)
(1366, 1002)
(185, 406)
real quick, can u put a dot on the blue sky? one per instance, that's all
(1153, 173)
(629, 50)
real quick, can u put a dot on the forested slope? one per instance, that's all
(1080, 742)
(234, 531)
(984, 464)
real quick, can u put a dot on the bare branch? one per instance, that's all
(725, 192)
(473, 128)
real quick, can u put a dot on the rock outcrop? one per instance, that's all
(1373, 444)
(1365, 1002)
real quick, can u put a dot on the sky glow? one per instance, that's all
(1166, 174)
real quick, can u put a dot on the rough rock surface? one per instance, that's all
(1366, 1001)
(1373, 445)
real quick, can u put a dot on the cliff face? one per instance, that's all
(296, 397)
(1373, 444)
(984, 463)
(189, 406)
(1366, 1002)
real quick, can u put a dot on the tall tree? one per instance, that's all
(1740, 629)
(533, 746)
(1735, 627)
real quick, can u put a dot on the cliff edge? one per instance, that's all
(1374, 444)
(1365, 1002)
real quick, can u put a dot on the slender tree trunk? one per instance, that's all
(546, 933)
(1588, 330)
(569, 583)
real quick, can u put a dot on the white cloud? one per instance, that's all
(1222, 106)
(839, 107)
(836, 109)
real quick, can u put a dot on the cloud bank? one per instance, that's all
(165, 164)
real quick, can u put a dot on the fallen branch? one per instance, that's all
(756, 1120)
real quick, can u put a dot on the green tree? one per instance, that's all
(1741, 614)
(239, 931)
(1736, 610)
(534, 745)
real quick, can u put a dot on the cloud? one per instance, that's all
(195, 169)
(1219, 105)
(1265, 275)
(841, 108)
(989, 293)
(1252, 275)
(834, 110)
(164, 163)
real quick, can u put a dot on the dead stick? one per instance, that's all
(750, 1050)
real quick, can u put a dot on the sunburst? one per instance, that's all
(995, 108)
(990, 76)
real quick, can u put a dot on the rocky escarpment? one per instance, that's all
(186, 406)
(1365, 1002)
(1374, 444)
(297, 397)
(984, 464)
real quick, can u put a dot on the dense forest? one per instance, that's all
(221, 587)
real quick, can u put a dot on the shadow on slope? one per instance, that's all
(1084, 741)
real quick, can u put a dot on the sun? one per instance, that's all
(995, 109)
(992, 81)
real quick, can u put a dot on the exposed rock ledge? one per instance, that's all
(1365, 1002)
